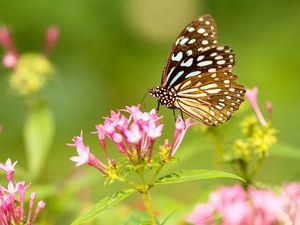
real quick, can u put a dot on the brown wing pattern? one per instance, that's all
(199, 36)
(210, 98)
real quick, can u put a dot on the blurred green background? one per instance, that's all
(110, 52)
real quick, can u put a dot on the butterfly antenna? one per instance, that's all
(133, 96)
(143, 101)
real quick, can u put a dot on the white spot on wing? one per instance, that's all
(201, 30)
(192, 41)
(176, 77)
(200, 57)
(208, 86)
(221, 62)
(205, 42)
(177, 57)
(183, 41)
(194, 73)
(191, 29)
(187, 63)
(205, 63)
(213, 91)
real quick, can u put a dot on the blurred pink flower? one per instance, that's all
(252, 96)
(203, 214)
(269, 108)
(51, 39)
(11, 55)
(12, 199)
(267, 206)
(235, 206)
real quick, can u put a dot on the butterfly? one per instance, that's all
(197, 78)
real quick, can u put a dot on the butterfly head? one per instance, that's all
(164, 96)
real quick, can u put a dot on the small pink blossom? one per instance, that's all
(252, 96)
(9, 169)
(7, 42)
(181, 129)
(51, 39)
(10, 60)
(134, 135)
(12, 202)
(84, 155)
(269, 108)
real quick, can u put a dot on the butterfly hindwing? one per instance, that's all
(210, 98)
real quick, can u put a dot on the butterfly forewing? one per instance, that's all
(198, 36)
(216, 58)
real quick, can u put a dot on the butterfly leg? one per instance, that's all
(174, 115)
(182, 117)
(181, 114)
(157, 108)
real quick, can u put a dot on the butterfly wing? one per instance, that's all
(210, 98)
(198, 36)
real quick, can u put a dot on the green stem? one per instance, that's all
(130, 183)
(257, 167)
(153, 178)
(219, 151)
(148, 205)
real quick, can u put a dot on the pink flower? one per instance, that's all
(133, 133)
(267, 206)
(181, 129)
(237, 213)
(225, 196)
(269, 108)
(84, 156)
(9, 169)
(51, 39)
(202, 215)
(12, 200)
(252, 96)
(10, 60)
(11, 56)
(235, 206)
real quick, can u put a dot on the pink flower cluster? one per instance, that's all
(11, 56)
(133, 135)
(234, 206)
(12, 198)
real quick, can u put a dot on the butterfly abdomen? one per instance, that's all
(164, 96)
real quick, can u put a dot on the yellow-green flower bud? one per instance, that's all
(31, 73)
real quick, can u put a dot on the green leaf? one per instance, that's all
(103, 204)
(38, 134)
(137, 217)
(189, 175)
(167, 218)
